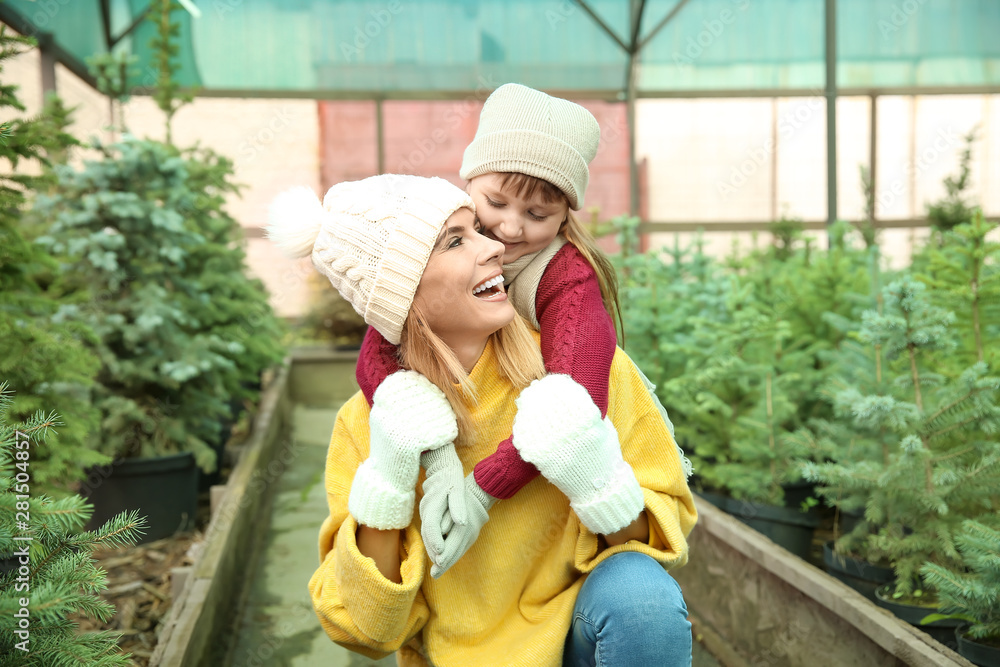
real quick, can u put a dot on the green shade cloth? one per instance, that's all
(334, 47)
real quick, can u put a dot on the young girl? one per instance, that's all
(527, 170)
(537, 588)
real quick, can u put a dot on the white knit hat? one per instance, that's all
(525, 131)
(372, 238)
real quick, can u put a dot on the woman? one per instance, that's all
(537, 587)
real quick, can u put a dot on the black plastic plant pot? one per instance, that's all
(717, 499)
(798, 492)
(788, 527)
(162, 489)
(850, 519)
(942, 630)
(984, 655)
(860, 575)
(9, 564)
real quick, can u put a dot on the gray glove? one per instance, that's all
(447, 540)
(444, 496)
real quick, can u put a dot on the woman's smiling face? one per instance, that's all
(523, 224)
(461, 291)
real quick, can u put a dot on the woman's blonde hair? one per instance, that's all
(421, 350)
(526, 187)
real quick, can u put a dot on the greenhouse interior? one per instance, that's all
(723, 388)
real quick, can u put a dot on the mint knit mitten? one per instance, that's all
(409, 415)
(559, 429)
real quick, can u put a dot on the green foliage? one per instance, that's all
(167, 93)
(45, 360)
(736, 350)
(667, 296)
(111, 71)
(964, 274)
(866, 227)
(54, 570)
(972, 594)
(153, 265)
(922, 454)
(954, 208)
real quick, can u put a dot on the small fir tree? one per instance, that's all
(973, 592)
(54, 576)
(167, 92)
(665, 294)
(921, 456)
(111, 71)
(44, 358)
(954, 208)
(737, 354)
(964, 274)
(182, 329)
(866, 226)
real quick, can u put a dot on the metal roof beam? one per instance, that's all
(604, 26)
(659, 26)
(135, 24)
(106, 22)
(636, 26)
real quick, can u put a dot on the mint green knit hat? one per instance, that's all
(525, 131)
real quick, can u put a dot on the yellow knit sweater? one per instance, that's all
(509, 599)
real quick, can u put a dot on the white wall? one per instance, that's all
(274, 144)
(715, 160)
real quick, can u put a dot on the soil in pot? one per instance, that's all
(862, 576)
(797, 493)
(162, 489)
(788, 527)
(942, 631)
(978, 651)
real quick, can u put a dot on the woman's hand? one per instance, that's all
(409, 416)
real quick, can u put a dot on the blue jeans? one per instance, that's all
(630, 612)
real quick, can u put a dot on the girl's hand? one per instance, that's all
(444, 503)
(452, 540)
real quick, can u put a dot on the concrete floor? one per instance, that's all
(279, 627)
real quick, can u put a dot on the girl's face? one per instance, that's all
(461, 291)
(523, 225)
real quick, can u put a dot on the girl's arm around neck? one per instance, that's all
(382, 546)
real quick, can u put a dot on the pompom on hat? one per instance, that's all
(525, 131)
(372, 238)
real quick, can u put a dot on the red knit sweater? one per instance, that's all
(578, 339)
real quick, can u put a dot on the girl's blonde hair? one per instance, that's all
(526, 187)
(421, 350)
